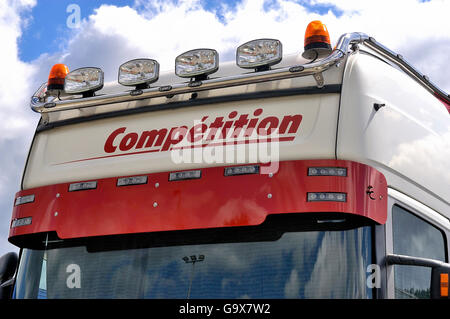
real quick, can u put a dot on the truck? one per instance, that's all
(320, 174)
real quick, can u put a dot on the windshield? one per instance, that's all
(286, 257)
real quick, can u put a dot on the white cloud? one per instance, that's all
(18, 122)
(163, 29)
(417, 30)
(431, 153)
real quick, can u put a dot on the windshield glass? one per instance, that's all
(294, 257)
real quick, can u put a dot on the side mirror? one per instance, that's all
(440, 272)
(8, 265)
(439, 282)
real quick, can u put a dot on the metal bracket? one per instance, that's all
(319, 79)
(44, 118)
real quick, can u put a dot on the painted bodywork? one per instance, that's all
(386, 147)
(408, 139)
(212, 201)
(90, 150)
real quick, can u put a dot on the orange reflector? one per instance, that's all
(444, 285)
(57, 76)
(317, 40)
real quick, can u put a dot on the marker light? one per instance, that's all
(21, 222)
(197, 63)
(82, 186)
(259, 54)
(139, 73)
(317, 41)
(327, 197)
(84, 80)
(135, 180)
(241, 170)
(327, 171)
(444, 285)
(178, 176)
(56, 77)
(24, 200)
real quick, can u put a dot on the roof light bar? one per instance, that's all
(259, 54)
(178, 176)
(21, 222)
(135, 180)
(139, 73)
(24, 200)
(327, 171)
(84, 80)
(82, 186)
(327, 197)
(198, 63)
(241, 170)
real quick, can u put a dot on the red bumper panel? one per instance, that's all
(214, 200)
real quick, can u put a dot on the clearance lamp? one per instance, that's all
(317, 41)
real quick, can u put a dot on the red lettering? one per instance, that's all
(252, 123)
(228, 124)
(242, 124)
(109, 147)
(268, 125)
(173, 139)
(239, 124)
(148, 137)
(128, 141)
(293, 121)
(196, 132)
(214, 127)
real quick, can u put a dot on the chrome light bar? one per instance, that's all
(40, 105)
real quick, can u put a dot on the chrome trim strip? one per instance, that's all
(407, 68)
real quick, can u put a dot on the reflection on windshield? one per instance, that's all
(307, 264)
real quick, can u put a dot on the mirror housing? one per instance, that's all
(440, 272)
(439, 282)
(8, 266)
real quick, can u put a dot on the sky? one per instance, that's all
(35, 34)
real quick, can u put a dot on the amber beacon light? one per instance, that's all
(317, 41)
(56, 77)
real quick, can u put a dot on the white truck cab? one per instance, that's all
(321, 175)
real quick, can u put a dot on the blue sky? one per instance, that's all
(46, 30)
(35, 35)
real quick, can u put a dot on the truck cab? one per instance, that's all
(314, 175)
